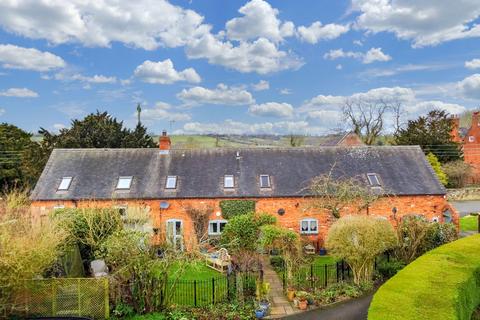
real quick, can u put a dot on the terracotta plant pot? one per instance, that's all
(302, 304)
(290, 294)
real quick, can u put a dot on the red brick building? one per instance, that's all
(470, 140)
(168, 182)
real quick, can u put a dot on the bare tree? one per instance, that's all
(367, 117)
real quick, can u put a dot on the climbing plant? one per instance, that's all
(231, 208)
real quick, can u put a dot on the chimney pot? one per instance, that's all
(164, 142)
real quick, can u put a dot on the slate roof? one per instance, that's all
(403, 170)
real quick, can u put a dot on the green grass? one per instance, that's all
(442, 284)
(200, 293)
(469, 223)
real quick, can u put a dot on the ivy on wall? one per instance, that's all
(232, 208)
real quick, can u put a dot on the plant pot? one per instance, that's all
(323, 251)
(302, 304)
(295, 303)
(259, 313)
(290, 294)
(310, 301)
(265, 306)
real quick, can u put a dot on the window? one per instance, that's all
(171, 182)
(124, 183)
(309, 226)
(228, 181)
(215, 227)
(373, 179)
(264, 181)
(471, 139)
(65, 183)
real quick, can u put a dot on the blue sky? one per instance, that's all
(234, 66)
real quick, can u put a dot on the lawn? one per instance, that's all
(469, 223)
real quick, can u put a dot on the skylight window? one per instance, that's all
(124, 183)
(264, 181)
(373, 179)
(65, 184)
(228, 181)
(171, 182)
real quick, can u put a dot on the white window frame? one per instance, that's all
(120, 186)
(65, 184)
(228, 177)
(168, 184)
(471, 139)
(378, 184)
(177, 239)
(269, 184)
(309, 222)
(217, 222)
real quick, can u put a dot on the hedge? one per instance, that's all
(442, 284)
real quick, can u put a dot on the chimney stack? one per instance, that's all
(455, 133)
(164, 141)
(475, 119)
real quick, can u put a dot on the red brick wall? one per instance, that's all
(471, 145)
(351, 140)
(296, 209)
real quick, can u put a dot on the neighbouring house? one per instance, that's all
(168, 182)
(469, 138)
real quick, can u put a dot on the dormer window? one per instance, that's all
(373, 180)
(124, 183)
(228, 181)
(264, 181)
(171, 182)
(65, 184)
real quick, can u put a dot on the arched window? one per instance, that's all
(309, 226)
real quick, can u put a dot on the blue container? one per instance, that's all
(260, 313)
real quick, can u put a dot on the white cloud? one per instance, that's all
(14, 57)
(473, 64)
(222, 95)
(327, 118)
(424, 107)
(387, 72)
(2, 112)
(272, 109)
(163, 72)
(375, 54)
(151, 23)
(372, 55)
(285, 91)
(425, 22)
(261, 85)
(95, 79)
(470, 86)
(261, 56)
(339, 67)
(316, 32)
(162, 111)
(58, 126)
(19, 93)
(259, 20)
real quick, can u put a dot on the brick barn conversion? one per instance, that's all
(169, 181)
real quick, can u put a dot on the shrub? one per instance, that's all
(358, 240)
(89, 227)
(437, 167)
(232, 208)
(28, 247)
(336, 292)
(442, 284)
(277, 263)
(457, 172)
(388, 269)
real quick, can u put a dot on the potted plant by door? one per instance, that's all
(302, 299)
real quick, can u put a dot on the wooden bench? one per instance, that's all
(219, 260)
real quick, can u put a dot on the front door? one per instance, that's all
(175, 233)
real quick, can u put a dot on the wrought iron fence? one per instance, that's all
(83, 297)
(317, 276)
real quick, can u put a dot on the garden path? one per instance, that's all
(280, 307)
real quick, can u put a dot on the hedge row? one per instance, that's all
(442, 284)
